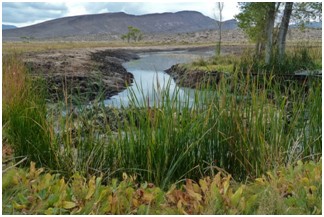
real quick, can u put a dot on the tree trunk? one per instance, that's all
(218, 48)
(259, 48)
(219, 7)
(269, 29)
(283, 30)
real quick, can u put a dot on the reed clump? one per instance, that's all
(24, 113)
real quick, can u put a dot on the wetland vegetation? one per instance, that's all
(224, 134)
(248, 126)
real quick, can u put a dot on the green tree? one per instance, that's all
(257, 19)
(304, 12)
(133, 33)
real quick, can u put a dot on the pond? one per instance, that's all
(150, 78)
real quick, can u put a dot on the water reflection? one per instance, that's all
(150, 80)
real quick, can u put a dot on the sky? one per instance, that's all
(28, 13)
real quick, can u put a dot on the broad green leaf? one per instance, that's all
(300, 163)
(98, 181)
(68, 204)
(143, 210)
(203, 185)
(114, 183)
(103, 194)
(9, 178)
(125, 177)
(129, 193)
(18, 206)
(305, 181)
(22, 198)
(235, 198)
(250, 203)
(226, 184)
(91, 189)
(53, 198)
(47, 179)
(42, 194)
(260, 181)
(49, 211)
(270, 175)
(196, 188)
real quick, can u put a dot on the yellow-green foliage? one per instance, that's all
(288, 190)
(224, 63)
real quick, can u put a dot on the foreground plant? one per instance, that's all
(287, 190)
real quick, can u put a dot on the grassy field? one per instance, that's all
(22, 47)
(37, 46)
(245, 127)
(299, 56)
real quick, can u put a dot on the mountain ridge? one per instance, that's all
(117, 23)
(110, 26)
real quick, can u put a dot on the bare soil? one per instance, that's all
(81, 72)
(92, 72)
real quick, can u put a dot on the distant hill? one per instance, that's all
(8, 27)
(117, 24)
(315, 25)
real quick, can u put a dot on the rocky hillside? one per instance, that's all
(116, 24)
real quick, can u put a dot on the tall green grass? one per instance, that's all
(24, 113)
(248, 125)
(238, 130)
(301, 57)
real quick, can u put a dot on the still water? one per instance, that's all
(150, 79)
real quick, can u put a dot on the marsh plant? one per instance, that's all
(247, 126)
(300, 57)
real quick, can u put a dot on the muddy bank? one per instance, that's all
(194, 78)
(83, 75)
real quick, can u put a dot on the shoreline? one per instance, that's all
(80, 73)
(87, 71)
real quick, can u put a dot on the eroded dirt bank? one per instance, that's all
(87, 72)
(83, 73)
(193, 78)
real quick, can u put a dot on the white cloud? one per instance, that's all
(75, 9)
(18, 13)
